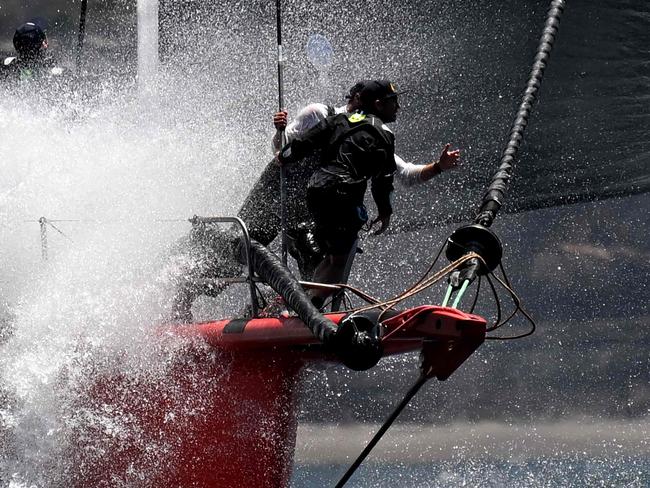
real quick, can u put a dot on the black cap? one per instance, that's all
(357, 88)
(29, 37)
(376, 90)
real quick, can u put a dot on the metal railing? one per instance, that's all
(249, 264)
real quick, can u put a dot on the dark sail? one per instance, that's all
(465, 65)
(588, 136)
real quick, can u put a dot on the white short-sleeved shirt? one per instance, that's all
(408, 173)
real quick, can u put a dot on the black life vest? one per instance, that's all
(357, 122)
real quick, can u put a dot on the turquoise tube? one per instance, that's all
(447, 295)
(460, 293)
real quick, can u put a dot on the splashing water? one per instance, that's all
(118, 178)
(123, 166)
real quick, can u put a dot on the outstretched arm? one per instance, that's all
(411, 174)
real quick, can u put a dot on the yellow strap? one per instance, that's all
(357, 117)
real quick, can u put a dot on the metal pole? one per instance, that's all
(283, 176)
(43, 223)
(82, 31)
(377, 437)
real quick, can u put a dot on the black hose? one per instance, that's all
(495, 194)
(355, 340)
(267, 265)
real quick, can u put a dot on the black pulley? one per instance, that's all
(478, 239)
(357, 342)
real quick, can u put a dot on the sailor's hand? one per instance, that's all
(384, 222)
(282, 161)
(280, 120)
(449, 159)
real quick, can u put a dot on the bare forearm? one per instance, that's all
(429, 171)
(411, 174)
(276, 142)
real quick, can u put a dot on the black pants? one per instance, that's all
(338, 217)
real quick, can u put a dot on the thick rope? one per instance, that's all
(495, 194)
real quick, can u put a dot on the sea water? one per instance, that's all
(573, 471)
(568, 453)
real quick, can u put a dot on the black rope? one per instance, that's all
(373, 442)
(518, 309)
(497, 304)
(513, 296)
(431, 266)
(495, 194)
(505, 277)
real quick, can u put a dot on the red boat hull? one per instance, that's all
(225, 415)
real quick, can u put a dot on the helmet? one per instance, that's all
(28, 39)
